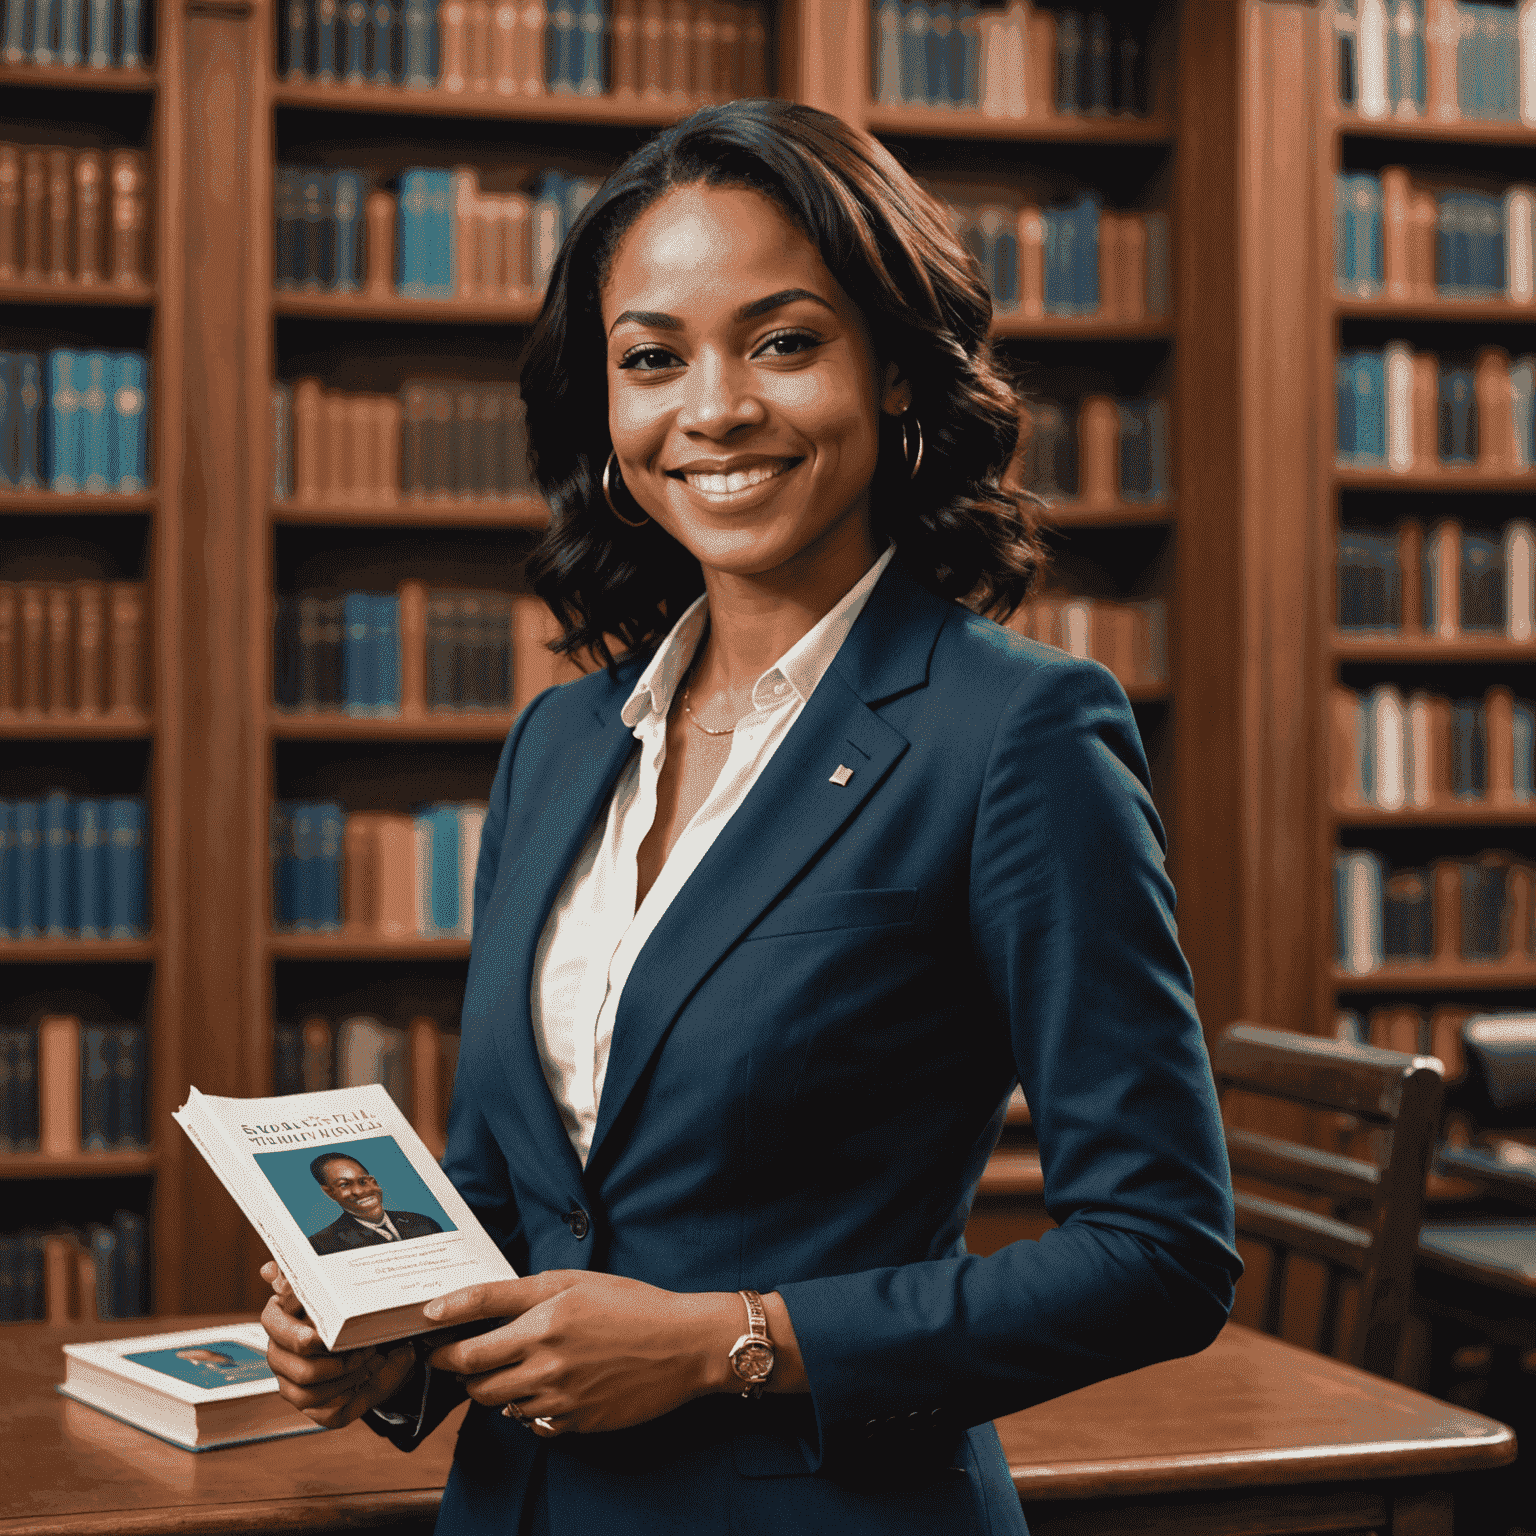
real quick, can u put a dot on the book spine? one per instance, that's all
(32, 610)
(1443, 29)
(1519, 232)
(1519, 581)
(347, 190)
(93, 382)
(34, 222)
(96, 1087)
(535, 19)
(59, 919)
(126, 905)
(385, 635)
(91, 844)
(128, 441)
(61, 264)
(27, 890)
(125, 670)
(90, 170)
(329, 826)
(308, 405)
(58, 1084)
(10, 693)
(1499, 718)
(9, 873)
(63, 448)
(1426, 407)
(425, 1051)
(58, 680)
(503, 63)
(130, 218)
(131, 50)
(1494, 396)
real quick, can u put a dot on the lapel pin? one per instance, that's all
(841, 776)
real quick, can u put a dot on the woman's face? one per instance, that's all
(743, 392)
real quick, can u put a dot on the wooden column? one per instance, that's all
(221, 870)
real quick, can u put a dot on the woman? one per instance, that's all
(747, 1000)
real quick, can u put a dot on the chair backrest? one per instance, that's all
(1370, 1233)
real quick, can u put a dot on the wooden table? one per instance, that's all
(1253, 1436)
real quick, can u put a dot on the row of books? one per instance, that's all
(71, 650)
(414, 1063)
(1403, 1027)
(1131, 639)
(99, 1271)
(1423, 751)
(1395, 240)
(1413, 412)
(374, 873)
(1455, 909)
(73, 216)
(1078, 259)
(1439, 59)
(73, 868)
(684, 52)
(1023, 61)
(1453, 582)
(95, 34)
(1115, 451)
(74, 421)
(437, 440)
(68, 1087)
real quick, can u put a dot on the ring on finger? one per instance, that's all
(543, 1424)
(512, 1411)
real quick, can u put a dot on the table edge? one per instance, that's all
(352, 1511)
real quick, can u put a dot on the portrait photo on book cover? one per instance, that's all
(218, 1363)
(354, 1194)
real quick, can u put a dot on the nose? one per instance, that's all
(718, 395)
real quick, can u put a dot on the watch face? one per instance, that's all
(753, 1362)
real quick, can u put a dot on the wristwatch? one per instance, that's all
(751, 1355)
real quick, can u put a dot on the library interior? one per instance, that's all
(1262, 271)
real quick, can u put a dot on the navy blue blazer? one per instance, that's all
(810, 1066)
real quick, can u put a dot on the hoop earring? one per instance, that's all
(608, 496)
(913, 465)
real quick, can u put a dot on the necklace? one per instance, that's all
(687, 710)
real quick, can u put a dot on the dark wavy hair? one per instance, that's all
(962, 527)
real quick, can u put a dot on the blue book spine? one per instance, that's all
(330, 827)
(303, 913)
(130, 1082)
(127, 908)
(357, 655)
(444, 883)
(131, 1291)
(31, 464)
(70, 21)
(297, 18)
(420, 25)
(355, 15)
(45, 32)
(101, 1243)
(281, 856)
(9, 895)
(386, 636)
(913, 51)
(1525, 751)
(561, 41)
(936, 53)
(28, 916)
(348, 189)
(410, 279)
(24, 1084)
(131, 53)
(91, 869)
(968, 13)
(587, 62)
(10, 421)
(440, 235)
(93, 382)
(1056, 293)
(96, 1088)
(1458, 426)
(98, 53)
(64, 447)
(128, 461)
(13, 50)
(382, 43)
(59, 919)
(325, 40)
(1362, 430)
(1086, 253)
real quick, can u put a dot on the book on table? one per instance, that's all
(351, 1205)
(197, 1388)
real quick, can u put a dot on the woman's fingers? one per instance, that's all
(289, 1332)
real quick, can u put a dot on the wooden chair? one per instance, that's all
(1369, 1233)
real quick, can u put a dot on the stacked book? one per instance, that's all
(1400, 241)
(1023, 61)
(437, 440)
(1115, 452)
(414, 1062)
(1453, 583)
(1439, 59)
(1076, 259)
(1424, 751)
(684, 52)
(103, 34)
(68, 1087)
(1131, 639)
(73, 868)
(73, 216)
(1456, 909)
(39, 1270)
(71, 650)
(74, 421)
(1413, 412)
(374, 874)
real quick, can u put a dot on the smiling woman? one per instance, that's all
(775, 907)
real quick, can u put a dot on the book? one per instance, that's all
(1362, 415)
(197, 1388)
(127, 897)
(129, 225)
(1469, 245)
(1369, 581)
(310, 1171)
(1358, 875)
(1358, 235)
(58, 1085)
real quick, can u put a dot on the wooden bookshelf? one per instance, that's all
(101, 295)
(1075, 514)
(31, 503)
(341, 946)
(525, 512)
(83, 1165)
(1459, 813)
(1430, 978)
(77, 951)
(587, 111)
(363, 306)
(1441, 311)
(434, 726)
(77, 77)
(1449, 480)
(930, 122)
(124, 727)
(1421, 649)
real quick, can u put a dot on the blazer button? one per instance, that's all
(578, 1222)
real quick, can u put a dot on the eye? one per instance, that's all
(788, 343)
(648, 359)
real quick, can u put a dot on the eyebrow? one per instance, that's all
(664, 322)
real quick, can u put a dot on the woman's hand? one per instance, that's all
(598, 1352)
(333, 1390)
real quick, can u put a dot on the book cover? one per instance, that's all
(324, 1178)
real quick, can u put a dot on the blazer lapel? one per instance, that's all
(791, 813)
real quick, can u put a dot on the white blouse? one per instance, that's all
(594, 934)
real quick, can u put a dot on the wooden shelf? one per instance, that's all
(1459, 131)
(340, 946)
(1442, 310)
(522, 512)
(78, 78)
(1013, 1171)
(30, 503)
(1459, 813)
(969, 123)
(73, 951)
(607, 111)
(80, 1165)
(443, 726)
(1446, 480)
(1015, 327)
(97, 295)
(367, 306)
(1468, 975)
(1422, 648)
(132, 727)
(1074, 514)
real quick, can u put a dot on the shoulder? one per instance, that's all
(574, 709)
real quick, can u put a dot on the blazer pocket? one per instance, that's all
(838, 909)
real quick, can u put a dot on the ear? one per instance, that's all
(895, 392)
